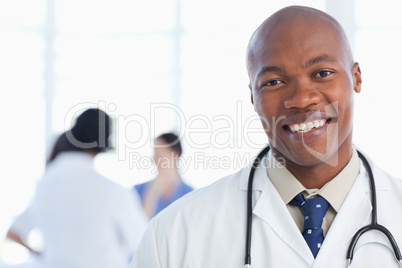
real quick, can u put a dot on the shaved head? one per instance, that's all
(306, 19)
(301, 70)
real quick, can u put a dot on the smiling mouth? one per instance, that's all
(307, 126)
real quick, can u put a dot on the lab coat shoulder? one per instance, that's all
(383, 179)
(215, 210)
(389, 199)
(388, 186)
(386, 181)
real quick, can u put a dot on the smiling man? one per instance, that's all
(312, 190)
(301, 70)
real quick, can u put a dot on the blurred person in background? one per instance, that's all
(85, 219)
(24, 223)
(168, 186)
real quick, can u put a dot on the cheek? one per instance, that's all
(344, 108)
(347, 115)
(267, 108)
(268, 112)
(158, 154)
(262, 111)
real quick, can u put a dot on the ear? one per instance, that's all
(251, 93)
(357, 77)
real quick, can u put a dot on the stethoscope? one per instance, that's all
(372, 226)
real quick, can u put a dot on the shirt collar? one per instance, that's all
(334, 191)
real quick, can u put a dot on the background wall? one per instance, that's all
(163, 65)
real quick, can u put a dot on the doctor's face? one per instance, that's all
(302, 82)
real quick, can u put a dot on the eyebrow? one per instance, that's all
(315, 60)
(269, 69)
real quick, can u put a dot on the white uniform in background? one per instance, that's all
(86, 220)
(207, 228)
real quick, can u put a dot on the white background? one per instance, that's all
(165, 65)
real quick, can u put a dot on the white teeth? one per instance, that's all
(307, 126)
(322, 122)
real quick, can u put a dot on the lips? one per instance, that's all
(306, 127)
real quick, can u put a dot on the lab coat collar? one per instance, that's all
(269, 207)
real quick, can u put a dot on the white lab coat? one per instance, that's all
(207, 228)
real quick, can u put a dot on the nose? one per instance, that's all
(302, 96)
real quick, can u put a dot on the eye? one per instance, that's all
(273, 82)
(321, 74)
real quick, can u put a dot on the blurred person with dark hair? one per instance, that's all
(85, 219)
(168, 186)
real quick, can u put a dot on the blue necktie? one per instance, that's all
(314, 210)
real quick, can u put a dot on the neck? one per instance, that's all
(90, 152)
(168, 175)
(317, 175)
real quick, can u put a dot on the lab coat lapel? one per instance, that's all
(272, 211)
(354, 214)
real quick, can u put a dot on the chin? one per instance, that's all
(308, 154)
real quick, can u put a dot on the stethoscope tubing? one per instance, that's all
(247, 261)
(372, 226)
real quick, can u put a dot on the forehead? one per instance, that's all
(295, 41)
(160, 143)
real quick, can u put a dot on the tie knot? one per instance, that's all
(314, 210)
